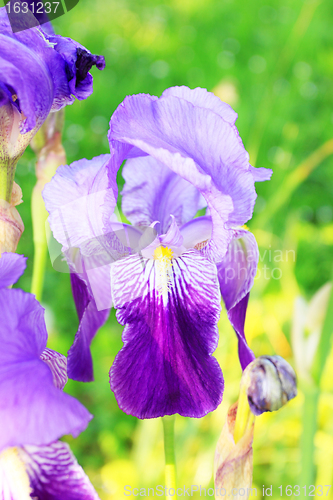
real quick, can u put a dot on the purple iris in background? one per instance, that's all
(39, 72)
(34, 411)
(166, 272)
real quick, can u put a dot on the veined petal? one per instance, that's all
(201, 147)
(58, 364)
(32, 409)
(55, 474)
(12, 267)
(154, 192)
(170, 310)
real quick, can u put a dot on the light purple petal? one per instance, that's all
(198, 145)
(236, 317)
(12, 267)
(32, 409)
(58, 364)
(55, 474)
(261, 174)
(204, 99)
(237, 270)
(153, 192)
(165, 366)
(75, 200)
(80, 366)
(197, 232)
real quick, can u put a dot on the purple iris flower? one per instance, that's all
(34, 411)
(168, 270)
(39, 73)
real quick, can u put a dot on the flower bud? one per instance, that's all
(233, 462)
(271, 383)
(11, 225)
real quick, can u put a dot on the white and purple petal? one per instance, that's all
(12, 267)
(55, 474)
(58, 364)
(166, 365)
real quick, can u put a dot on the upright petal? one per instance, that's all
(154, 192)
(165, 366)
(32, 409)
(12, 267)
(204, 99)
(55, 474)
(200, 146)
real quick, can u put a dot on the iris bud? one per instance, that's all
(272, 383)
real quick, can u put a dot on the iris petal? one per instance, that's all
(152, 192)
(12, 266)
(32, 409)
(55, 474)
(165, 366)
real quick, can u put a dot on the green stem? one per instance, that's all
(39, 216)
(310, 410)
(169, 451)
(7, 173)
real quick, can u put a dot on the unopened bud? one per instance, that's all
(271, 383)
(11, 225)
(233, 461)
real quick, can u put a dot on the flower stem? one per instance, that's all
(310, 409)
(169, 451)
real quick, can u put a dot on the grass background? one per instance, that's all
(273, 62)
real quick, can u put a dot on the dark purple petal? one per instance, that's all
(55, 474)
(237, 270)
(152, 192)
(32, 409)
(78, 62)
(58, 364)
(236, 317)
(80, 366)
(27, 76)
(200, 146)
(12, 266)
(165, 366)
(236, 275)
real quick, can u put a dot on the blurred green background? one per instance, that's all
(273, 62)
